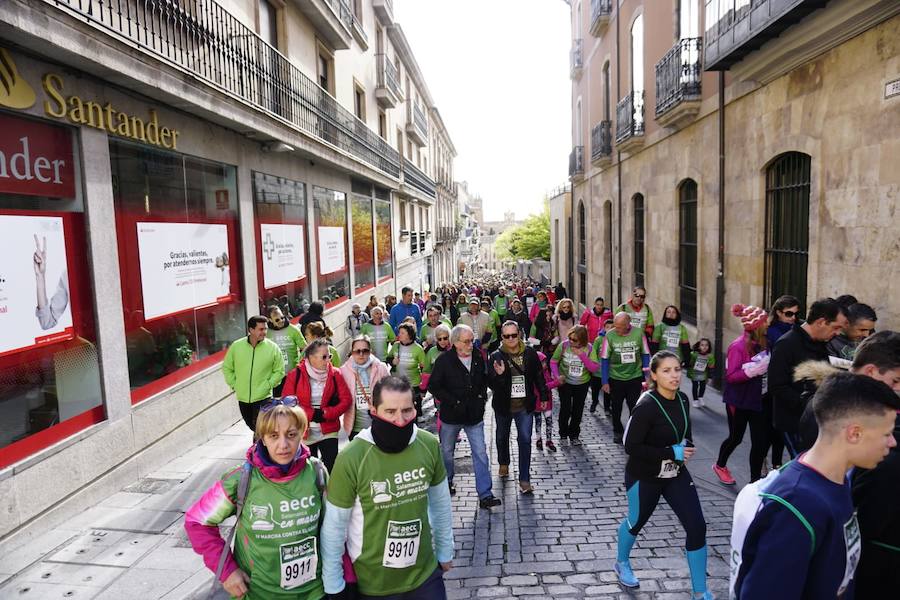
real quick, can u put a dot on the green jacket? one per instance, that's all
(412, 363)
(252, 372)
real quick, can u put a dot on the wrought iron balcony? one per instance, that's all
(601, 143)
(359, 33)
(414, 242)
(387, 90)
(630, 121)
(330, 20)
(577, 58)
(416, 178)
(678, 83)
(576, 162)
(384, 11)
(205, 40)
(416, 123)
(601, 10)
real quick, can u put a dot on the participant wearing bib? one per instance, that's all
(388, 502)
(624, 356)
(435, 318)
(501, 303)
(381, 334)
(658, 442)
(671, 335)
(494, 327)
(572, 366)
(518, 314)
(516, 379)
(594, 317)
(409, 360)
(539, 304)
(276, 552)
(288, 339)
(253, 366)
(565, 318)
(638, 312)
(479, 321)
(320, 331)
(361, 373)
(700, 365)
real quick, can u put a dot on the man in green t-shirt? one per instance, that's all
(624, 362)
(387, 501)
(289, 340)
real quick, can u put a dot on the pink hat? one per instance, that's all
(752, 317)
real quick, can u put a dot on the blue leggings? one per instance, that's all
(679, 492)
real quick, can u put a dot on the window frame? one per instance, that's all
(688, 249)
(638, 204)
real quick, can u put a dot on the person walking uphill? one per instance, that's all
(253, 366)
(659, 443)
(361, 372)
(621, 373)
(515, 375)
(458, 383)
(572, 367)
(405, 308)
(640, 314)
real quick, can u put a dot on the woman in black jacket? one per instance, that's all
(514, 374)
(449, 308)
(518, 314)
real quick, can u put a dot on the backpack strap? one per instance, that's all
(243, 487)
(798, 514)
(321, 474)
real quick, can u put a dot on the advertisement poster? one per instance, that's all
(183, 266)
(332, 256)
(34, 283)
(283, 256)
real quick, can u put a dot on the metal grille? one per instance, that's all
(630, 116)
(413, 176)
(687, 250)
(787, 227)
(582, 238)
(678, 74)
(576, 161)
(638, 201)
(601, 140)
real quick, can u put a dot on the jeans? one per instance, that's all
(249, 412)
(524, 422)
(475, 435)
(571, 408)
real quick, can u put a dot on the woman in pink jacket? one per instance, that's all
(361, 372)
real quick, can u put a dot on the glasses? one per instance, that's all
(791, 313)
(288, 401)
(466, 341)
(510, 336)
(640, 296)
(443, 339)
(362, 351)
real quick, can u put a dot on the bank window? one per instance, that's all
(363, 243)
(179, 248)
(281, 253)
(330, 208)
(787, 227)
(638, 202)
(383, 244)
(687, 250)
(49, 364)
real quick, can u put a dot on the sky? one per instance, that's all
(498, 71)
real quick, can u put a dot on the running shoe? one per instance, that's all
(503, 471)
(626, 575)
(575, 441)
(526, 488)
(551, 446)
(707, 595)
(723, 474)
(452, 487)
(539, 444)
(701, 402)
(617, 438)
(489, 501)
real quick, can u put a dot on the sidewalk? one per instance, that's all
(559, 543)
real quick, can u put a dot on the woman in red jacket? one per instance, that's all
(323, 395)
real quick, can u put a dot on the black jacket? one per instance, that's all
(789, 397)
(522, 319)
(462, 393)
(501, 385)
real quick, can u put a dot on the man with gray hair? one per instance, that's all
(459, 383)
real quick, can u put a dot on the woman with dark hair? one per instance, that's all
(313, 314)
(671, 335)
(544, 329)
(409, 360)
(785, 312)
(449, 308)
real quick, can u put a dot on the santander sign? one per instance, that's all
(35, 158)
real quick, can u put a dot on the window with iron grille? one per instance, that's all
(638, 201)
(582, 254)
(787, 227)
(687, 250)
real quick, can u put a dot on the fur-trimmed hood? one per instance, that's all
(814, 370)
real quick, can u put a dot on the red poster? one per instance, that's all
(35, 158)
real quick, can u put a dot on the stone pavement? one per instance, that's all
(558, 543)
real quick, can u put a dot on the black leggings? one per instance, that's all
(776, 438)
(327, 450)
(698, 388)
(681, 495)
(738, 419)
(249, 412)
(623, 391)
(596, 385)
(571, 408)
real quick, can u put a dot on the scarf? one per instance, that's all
(317, 375)
(516, 356)
(362, 370)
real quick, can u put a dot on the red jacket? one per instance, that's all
(336, 398)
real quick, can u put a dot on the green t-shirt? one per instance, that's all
(432, 356)
(335, 356)
(639, 319)
(277, 540)
(291, 343)
(625, 353)
(501, 304)
(413, 362)
(381, 335)
(700, 364)
(389, 538)
(670, 337)
(428, 330)
(570, 365)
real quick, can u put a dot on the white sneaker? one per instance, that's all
(696, 403)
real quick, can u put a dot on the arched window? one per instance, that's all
(687, 250)
(582, 255)
(637, 54)
(787, 227)
(638, 202)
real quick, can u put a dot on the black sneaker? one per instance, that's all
(617, 438)
(452, 487)
(575, 441)
(593, 408)
(489, 501)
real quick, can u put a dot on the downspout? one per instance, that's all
(720, 276)
(619, 299)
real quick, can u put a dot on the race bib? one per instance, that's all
(701, 364)
(362, 402)
(518, 386)
(668, 469)
(576, 368)
(628, 357)
(636, 322)
(765, 383)
(401, 545)
(299, 562)
(853, 544)
(672, 339)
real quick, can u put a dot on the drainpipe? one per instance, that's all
(720, 276)
(618, 167)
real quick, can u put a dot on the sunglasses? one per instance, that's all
(510, 336)
(443, 339)
(791, 313)
(288, 401)
(640, 295)
(362, 351)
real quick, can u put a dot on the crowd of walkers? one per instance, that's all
(374, 520)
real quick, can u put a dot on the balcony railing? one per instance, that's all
(341, 9)
(601, 141)
(387, 79)
(422, 236)
(630, 116)
(417, 123)
(577, 58)
(601, 10)
(414, 177)
(359, 32)
(205, 40)
(678, 74)
(576, 162)
(414, 242)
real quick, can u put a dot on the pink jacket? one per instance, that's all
(594, 323)
(547, 404)
(377, 371)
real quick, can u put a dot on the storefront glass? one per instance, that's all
(49, 364)
(383, 240)
(179, 243)
(330, 209)
(281, 251)
(363, 243)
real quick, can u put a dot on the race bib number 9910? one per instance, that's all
(401, 545)
(299, 562)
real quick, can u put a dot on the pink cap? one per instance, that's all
(752, 317)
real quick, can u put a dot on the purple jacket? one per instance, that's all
(740, 391)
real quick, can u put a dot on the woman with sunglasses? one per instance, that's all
(320, 331)
(572, 366)
(409, 360)
(441, 345)
(289, 340)
(380, 333)
(449, 308)
(323, 395)
(361, 373)
(434, 318)
(785, 312)
(281, 472)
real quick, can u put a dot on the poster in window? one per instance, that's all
(35, 306)
(283, 255)
(183, 266)
(332, 255)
